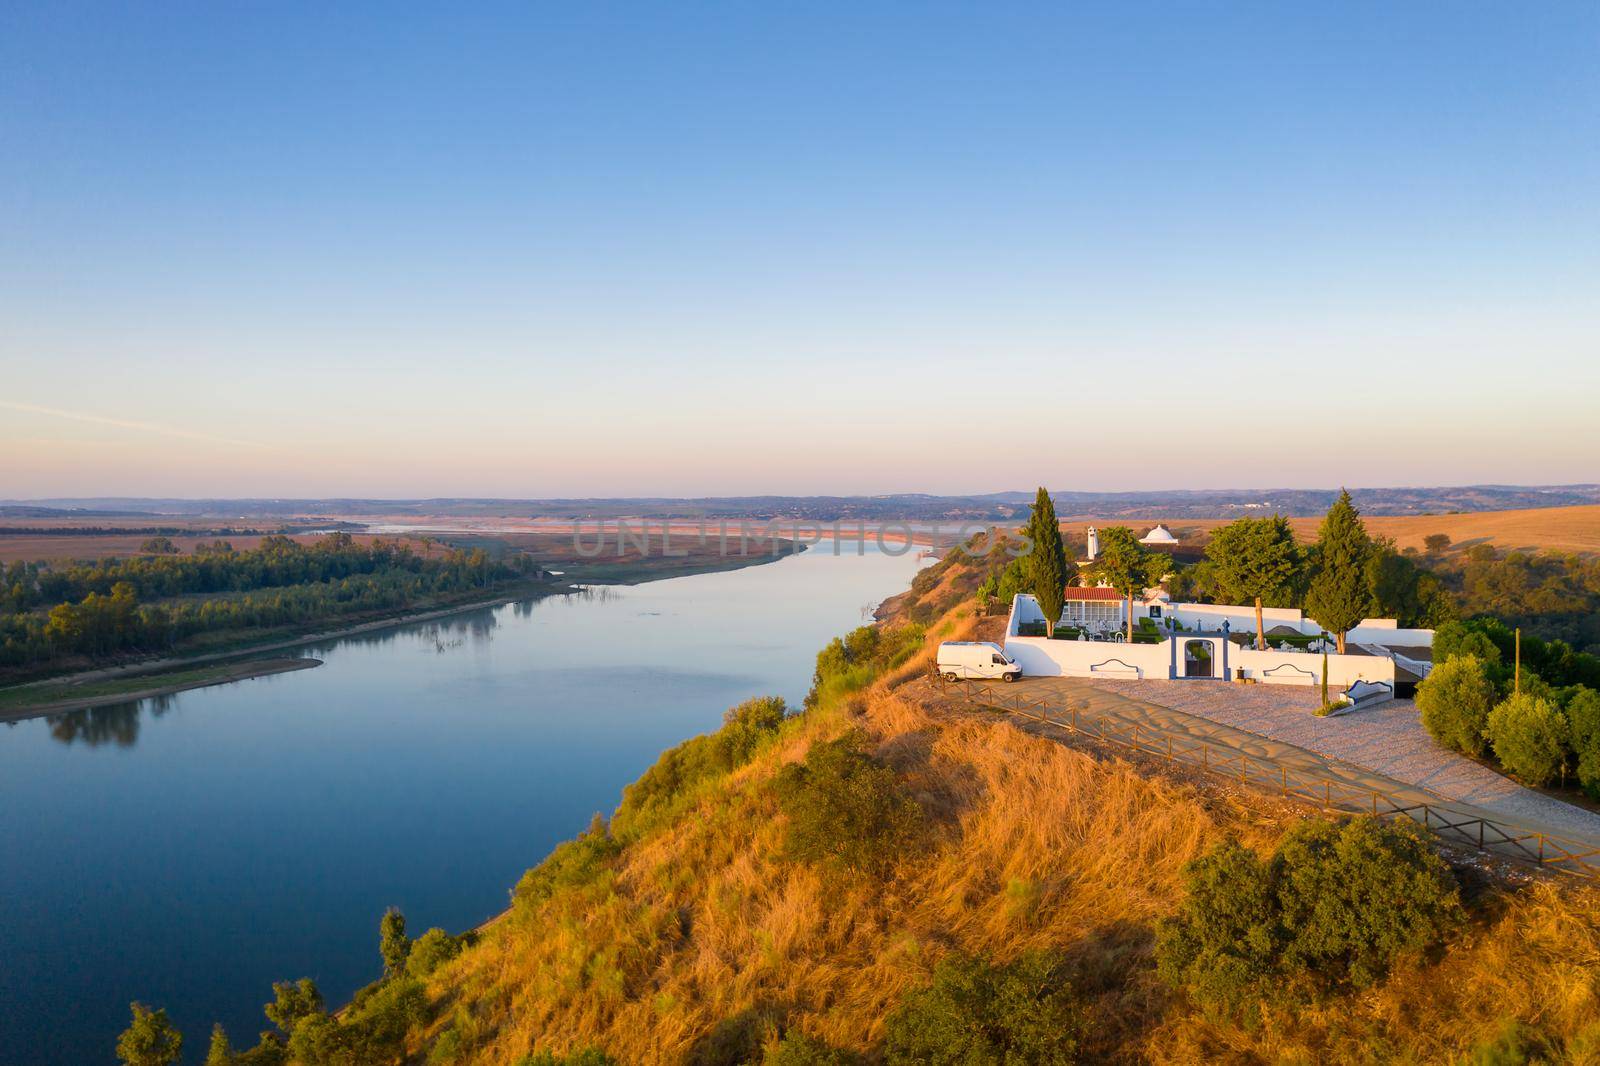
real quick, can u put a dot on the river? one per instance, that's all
(190, 850)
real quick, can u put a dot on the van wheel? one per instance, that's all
(951, 676)
(1010, 678)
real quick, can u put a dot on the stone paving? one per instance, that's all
(1382, 746)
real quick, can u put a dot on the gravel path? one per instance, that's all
(1387, 739)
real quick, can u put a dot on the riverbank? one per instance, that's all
(42, 696)
(58, 697)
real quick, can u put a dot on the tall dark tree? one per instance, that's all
(1047, 563)
(1255, 559)
(393, 943)
(1340, 595)
(1128, 566)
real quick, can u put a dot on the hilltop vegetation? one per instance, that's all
(879, 878)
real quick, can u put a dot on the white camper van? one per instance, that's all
(971, 658)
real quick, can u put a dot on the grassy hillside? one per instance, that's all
(709, 922)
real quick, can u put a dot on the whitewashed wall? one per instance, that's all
(1212, 615)
(1045, 657)
(1305, 668)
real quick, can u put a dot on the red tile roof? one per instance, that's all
(1076, 592)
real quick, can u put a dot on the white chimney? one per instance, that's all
(1094, 544)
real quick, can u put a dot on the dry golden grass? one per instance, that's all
(1037, 845)
(1567, 529)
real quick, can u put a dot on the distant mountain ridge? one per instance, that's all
(1174, 503)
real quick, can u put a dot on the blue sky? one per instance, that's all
(618, 249)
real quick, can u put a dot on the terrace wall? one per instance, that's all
(1046, 657)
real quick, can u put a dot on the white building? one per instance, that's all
(1211, 641)
(1159, 535)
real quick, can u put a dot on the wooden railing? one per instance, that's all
(1328, 793)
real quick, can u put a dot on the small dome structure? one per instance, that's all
(1159, 535)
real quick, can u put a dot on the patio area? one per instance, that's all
(1387, 739)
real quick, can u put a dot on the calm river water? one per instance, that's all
(189, 851)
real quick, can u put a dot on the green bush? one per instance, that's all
(671, 781)
(580, 861)
(582, 1057)
(847, 808)
(852, 662)
(1336, 905)
(1455, 700)
(293, 1002)
(1454, 639)
(1013, 579)
(150, 1040)
(1583, 725)
(378, 1030)
(798, 1049)
(976, 1013)
(430, 951)
(1529, 735)
(1515, 1044)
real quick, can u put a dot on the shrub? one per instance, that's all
(150, 1040)
(1359, 895)
(851, 662)
(747, 726)
(798, 1049)
(1455, 700)
(378, 1030)
(846, 807)
(1335, 905)
(580, 861)
(1514, 1044)
(1529, 736)
(583, 1057)
(1223, 941)
(1454, 639)
(430, 951)
(679, 770)
(1583, 725)
(974, 1012)
(293, 1001)
(1013, 579)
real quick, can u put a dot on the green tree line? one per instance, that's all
(133, 605)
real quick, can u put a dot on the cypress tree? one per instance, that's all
(221, 1051)
(1340, 595)
(1047, 565)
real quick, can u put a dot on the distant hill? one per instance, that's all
(1165, 504)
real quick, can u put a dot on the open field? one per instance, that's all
(1568, 529)
(36, 548)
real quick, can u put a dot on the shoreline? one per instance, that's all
(156, 668)
(225, 675)
(165, 667)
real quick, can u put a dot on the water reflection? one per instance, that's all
(116, 723)
(424, 765)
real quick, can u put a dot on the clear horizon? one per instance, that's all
(620, 252)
